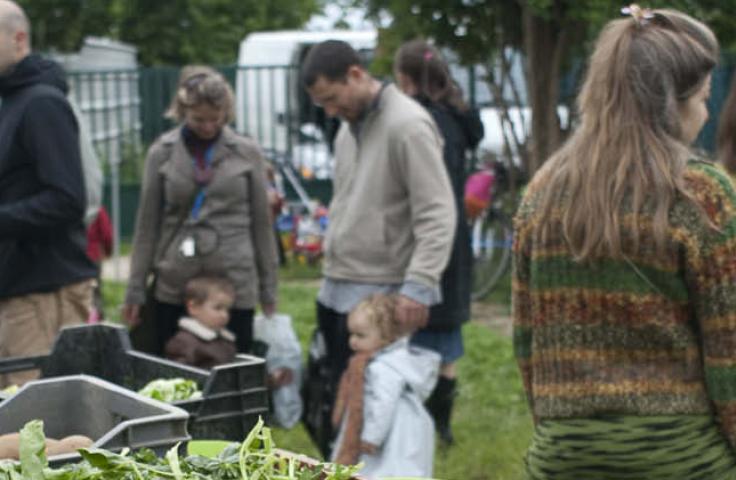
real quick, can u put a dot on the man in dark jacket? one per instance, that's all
(46, 278)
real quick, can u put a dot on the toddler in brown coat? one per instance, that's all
(202, 340)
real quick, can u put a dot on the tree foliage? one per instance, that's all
(62, 24)
(171, 32)
(552, 34)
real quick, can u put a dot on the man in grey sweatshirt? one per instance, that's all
(392, 214)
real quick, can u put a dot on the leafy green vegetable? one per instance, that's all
(171, 390)
(10, 390)
(256, 458)
(32, 450)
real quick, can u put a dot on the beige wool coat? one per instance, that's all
(233, 231)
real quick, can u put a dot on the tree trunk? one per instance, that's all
(544, 44)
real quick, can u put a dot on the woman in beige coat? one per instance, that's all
(203, 210)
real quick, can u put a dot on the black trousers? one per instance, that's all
(334, 328)
(323, 377)
(168, 315)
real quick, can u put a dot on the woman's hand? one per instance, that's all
(131, 314)
(268, 309)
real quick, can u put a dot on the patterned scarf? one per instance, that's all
(197, 148)
(349, 402)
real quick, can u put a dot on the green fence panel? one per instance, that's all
(157, 86)
(129, 198)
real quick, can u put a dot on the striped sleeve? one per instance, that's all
(711, 277)
(521, 304)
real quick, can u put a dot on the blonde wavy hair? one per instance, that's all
(629, 141)
(201, 85)
(380, 311)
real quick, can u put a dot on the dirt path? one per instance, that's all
(496, 317)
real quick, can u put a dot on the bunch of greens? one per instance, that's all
(171, 390)
(254, 459)
(9, 390)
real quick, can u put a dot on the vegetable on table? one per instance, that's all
(171, 390)
(256, 458)
(10, 389)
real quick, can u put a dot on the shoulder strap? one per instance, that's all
(180, 221)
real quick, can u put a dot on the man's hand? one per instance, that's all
(411, 314)
(131, 314)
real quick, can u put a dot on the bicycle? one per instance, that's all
(491, 240)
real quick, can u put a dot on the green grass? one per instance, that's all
(113, 294)
(491, 422)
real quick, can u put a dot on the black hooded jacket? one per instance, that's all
(462, 131)
(42, 195)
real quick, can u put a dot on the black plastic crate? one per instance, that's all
(233, 395)
(112, 416)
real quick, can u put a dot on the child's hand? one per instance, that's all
(368, 448)
(280, 377)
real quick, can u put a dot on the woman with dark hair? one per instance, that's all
(624, 274)
(422, 72)
(204, 211)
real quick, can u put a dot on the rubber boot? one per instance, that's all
(439, 405)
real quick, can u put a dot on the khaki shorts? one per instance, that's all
(29, 324)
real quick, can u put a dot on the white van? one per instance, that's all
(273, 106)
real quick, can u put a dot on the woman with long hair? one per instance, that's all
(624, 271)
(422, 72)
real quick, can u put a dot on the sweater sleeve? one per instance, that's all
(711, 278)
(147, 227)
(520, 303)
(50, 136)
(433, 214)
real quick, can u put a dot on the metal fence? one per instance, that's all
(124, 110)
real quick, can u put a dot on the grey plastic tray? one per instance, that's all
(114, 417)
(233, 395)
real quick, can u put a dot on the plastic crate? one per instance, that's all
(112, 416)
(233, 395)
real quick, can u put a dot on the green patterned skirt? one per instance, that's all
(629, 447)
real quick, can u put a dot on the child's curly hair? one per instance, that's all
(380, 310)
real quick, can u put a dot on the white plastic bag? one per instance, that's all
(284, 351)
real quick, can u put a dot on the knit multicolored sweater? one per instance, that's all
(654, 335)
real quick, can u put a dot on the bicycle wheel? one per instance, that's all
(492, 237)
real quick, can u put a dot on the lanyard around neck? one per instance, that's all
(199, 199)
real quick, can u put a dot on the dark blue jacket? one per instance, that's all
(42, 195)
(462, 131)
